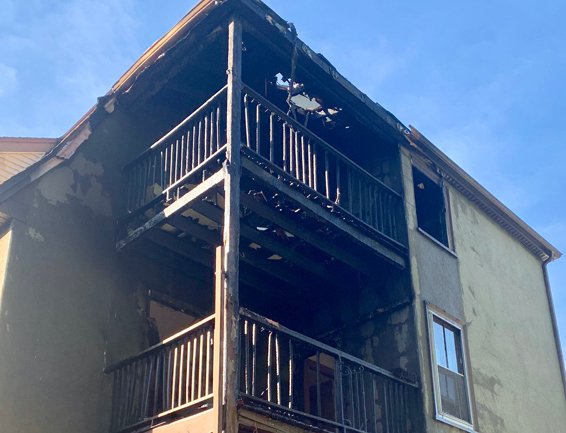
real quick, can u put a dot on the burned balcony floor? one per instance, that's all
(282, 161)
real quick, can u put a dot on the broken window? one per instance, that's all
(430, 202)
(450, 373)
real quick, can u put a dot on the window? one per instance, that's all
(450, 375)
(431, 209)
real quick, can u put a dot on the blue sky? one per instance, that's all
(484, 80)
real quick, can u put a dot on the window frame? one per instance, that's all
(435, 178)
(433, 312)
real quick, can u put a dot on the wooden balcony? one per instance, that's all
(278, 153)
(283, 376)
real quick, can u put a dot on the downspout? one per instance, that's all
(553, 319)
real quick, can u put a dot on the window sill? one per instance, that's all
(462, 425)
(437, 243)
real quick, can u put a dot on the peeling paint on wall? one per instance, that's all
(80, 180)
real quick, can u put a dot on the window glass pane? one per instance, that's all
(451, 354)
(439, 345)
(453, 394)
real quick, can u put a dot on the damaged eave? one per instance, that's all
(62, 151)
(486, 201)
(283, 28)
(67, 145)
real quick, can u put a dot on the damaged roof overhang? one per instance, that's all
(480, 196)
(372, 113)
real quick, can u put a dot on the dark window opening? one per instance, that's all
(431, 209)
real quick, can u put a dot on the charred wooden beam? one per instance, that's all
(183, 202)
(369, 243)
(318, 241)
(303, 261)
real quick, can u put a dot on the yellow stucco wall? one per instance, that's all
(514, 361)
(497, 290)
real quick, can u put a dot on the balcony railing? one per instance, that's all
(187, 151)
(182, 153)
(295, 377)
(307, 158)
(172, 376)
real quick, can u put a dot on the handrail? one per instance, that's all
(169, 377)
(185, 151)
(263, 101)
(186, 120)
(326, 348)
(159, 345)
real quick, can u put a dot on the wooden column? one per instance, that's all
(231, 235)
(217, 378)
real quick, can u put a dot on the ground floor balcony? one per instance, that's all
(285, 378)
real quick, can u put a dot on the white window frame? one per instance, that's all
(442, 416)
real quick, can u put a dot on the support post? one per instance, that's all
(231, 234)
(217, 378)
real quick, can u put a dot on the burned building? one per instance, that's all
(235, 238)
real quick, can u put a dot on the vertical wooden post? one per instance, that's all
(217, 378)
(231, 235)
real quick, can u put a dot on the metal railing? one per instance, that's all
(171, 376)
(300, 378)
(181, 153)
(304, 156)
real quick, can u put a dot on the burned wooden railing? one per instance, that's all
(180, 154)
(172, 376)
(307, 158)
(293, 376)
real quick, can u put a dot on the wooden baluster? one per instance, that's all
(246, 357)
(303, 161)
(284, 147)
(219, 140)
(254, 356)
(291, 151)
(272, 137)
(278, 369)
(188, 151)
(318, 390)
(205, 143)
(181, 374)
(200, 365)
(338, 193)
(193, 369)
(297, 161)
(247, 120)
(269, 366)
(291, 371)
(326, 175)
(171, 164)
(173, 381)
(309, 156)
(208, 362)
(258, 128)
(212, 139)
(188, 388)
(201, 145)
(314, 167)
(194, 159)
